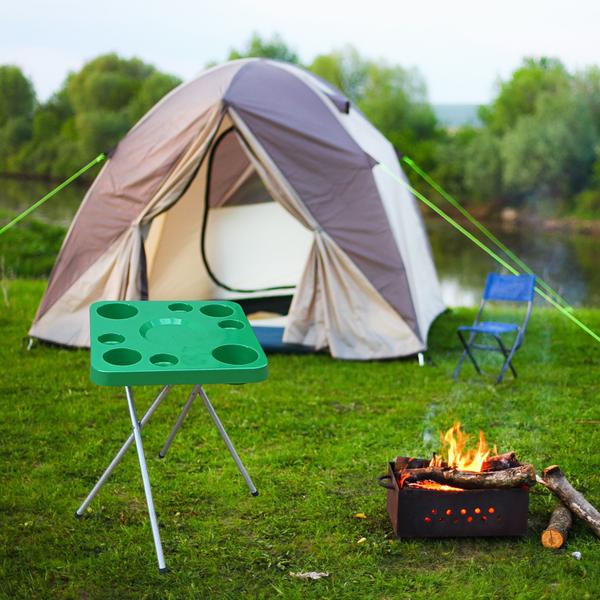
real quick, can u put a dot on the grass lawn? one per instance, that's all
(314, 437)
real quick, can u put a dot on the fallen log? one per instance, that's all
(556, 482)
(470, 480)
(555, 535)
(500, 462)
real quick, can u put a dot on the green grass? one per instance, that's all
(314, 437)
(28, 249)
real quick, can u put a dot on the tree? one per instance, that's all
(548, 155)
(483, 167)
(394, 99)
(91, 112)
(17, 102)
(273, 47)
(449, 159)
(345, 69)
(587, 85)
(107, 82)
(153, 88)
(519, 95)
(17, 96)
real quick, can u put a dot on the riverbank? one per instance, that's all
(510, 219)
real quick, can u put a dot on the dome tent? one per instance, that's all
(255, 180)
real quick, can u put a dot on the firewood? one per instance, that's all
(470, 480)
(500, 462)
(555, 535)
(556, 482)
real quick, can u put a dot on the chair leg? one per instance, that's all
(508, 360)
(467, 352)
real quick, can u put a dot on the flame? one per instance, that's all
(459, 457)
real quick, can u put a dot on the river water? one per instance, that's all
(567, 261)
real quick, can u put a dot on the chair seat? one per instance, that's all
(491, 327)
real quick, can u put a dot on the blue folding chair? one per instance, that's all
(498, 288)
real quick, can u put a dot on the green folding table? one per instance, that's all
(168, 343)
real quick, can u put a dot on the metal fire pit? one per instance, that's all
(417, 513)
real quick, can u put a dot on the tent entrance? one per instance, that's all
(226, 238)
(249, 243)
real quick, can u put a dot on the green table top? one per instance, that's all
(150, 342)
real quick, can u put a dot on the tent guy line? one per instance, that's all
(58, 188)
(465, 213)
(487, 250)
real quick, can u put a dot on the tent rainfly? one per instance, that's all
(255, 181)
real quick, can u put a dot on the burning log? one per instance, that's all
(507, 478)
(556, 482)
(500, 462)
(555, 535)
(408, 462)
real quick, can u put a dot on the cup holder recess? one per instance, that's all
(216, 310)
(122, 357)
(180, 307)
(235, 354)
(164, 360)
(231, 324)
(110, 339)
(117, 310)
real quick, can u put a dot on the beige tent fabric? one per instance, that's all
(173, 248)
(115, 276)
(340, 309)
(334, 306)
(173, 243)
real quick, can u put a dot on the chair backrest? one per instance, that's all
(509, 288)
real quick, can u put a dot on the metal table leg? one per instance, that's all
(146, 480)
(234, 454)
(136, 436)
(118, 457)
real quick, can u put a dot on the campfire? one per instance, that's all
(477, 492)
(461, 491)
(480, 467)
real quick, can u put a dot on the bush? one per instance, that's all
(587, 204)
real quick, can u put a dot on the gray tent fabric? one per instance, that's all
(229, 168)
(327, 169)
(369, 288)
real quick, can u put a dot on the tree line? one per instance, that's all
(537, 148)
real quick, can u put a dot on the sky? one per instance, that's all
(462, 48)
